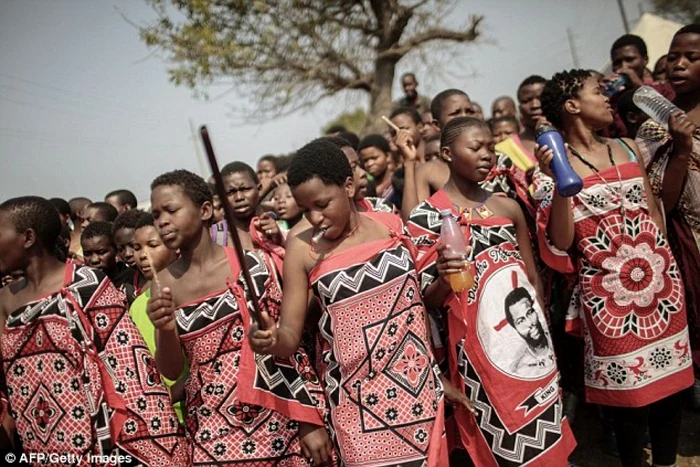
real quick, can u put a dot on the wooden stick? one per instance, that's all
(150, 263)
(228, 216)
(391, 124)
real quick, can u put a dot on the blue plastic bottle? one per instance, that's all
(567, 181)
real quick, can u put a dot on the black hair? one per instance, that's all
(239, 167)
(529, 81)
(320, 159)
(501, 98)
(62, 248)
(513, 297)
(693, 28)
(128, 220)
(193, 185)
(269, 158)
(283, 162)
(338, 141)
(124, 197)
(435, 137)
(145, 221)
(406, 75)
(351, 138)
(633, 40)
(436, 103)
(35, 213)
(61, 206)
(374, 141)
(98, 229)
(409, 111)
(77, 205)
(456, 126)
(108, 212)
(563, 86)
(506, 118)
(336, 129)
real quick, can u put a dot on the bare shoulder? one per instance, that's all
(505, 207)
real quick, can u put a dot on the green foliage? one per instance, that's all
(284, 55)
(354, 121)
(684, 11)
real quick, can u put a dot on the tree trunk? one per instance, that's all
(380, 96)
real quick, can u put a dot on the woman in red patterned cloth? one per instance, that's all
(78, 378)
(384, 393)
(273, 418)
(629, 302)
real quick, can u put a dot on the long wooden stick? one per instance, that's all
(228, 215)
(153, 269)
(391, 124)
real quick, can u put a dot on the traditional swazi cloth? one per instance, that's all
(80, 379)
(374, 204)
(381, 380)
(138, 311)
(683, 222)
(511, 379)
(221, 427)
(629, 302)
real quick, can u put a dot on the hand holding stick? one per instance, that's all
(391, 124)
(228, 216)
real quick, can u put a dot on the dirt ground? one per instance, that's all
(591, 450)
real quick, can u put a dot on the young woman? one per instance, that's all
(383, 389)
(629, 298)
(201, 315)
(672, 159)
(78, 379)
(500, 351)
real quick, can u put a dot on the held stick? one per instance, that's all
(228, 215)
(155, 273)
(391, 124)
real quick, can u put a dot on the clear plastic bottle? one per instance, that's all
(451, 234)
(654, 104)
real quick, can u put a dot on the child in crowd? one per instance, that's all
(123, 232)
(100, 251)
(99, 211)
(122, 200)
(375, 153)
(504, 127)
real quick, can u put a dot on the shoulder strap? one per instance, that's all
(630, 151)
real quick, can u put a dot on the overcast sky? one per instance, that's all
(83, 110)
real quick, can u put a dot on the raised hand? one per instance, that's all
(161, 311)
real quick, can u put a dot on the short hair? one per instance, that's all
(410, 112)
(506, 118)
(107, 211)
(563, 86)
(338, 141)
(125, 197)
(145, 221)
(270, 158)
(435, 137)
(630, 39)
(35, 213)
(283, 162)
(77, 205)
(351, 138)
(336, 129)
(98, 229)
(128, 220)
(440, 98)
(457, 125)
(194, 186)
(61, 206)
(513, 297)
(238, 167)
(320, 159)
(529, 81)
(693, 28)
(501, 98)
(406, 75)
(374, 141)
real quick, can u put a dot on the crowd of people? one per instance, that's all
(339, 337)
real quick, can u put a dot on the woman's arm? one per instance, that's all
(681, 129)
(654, 210)
(560, 227)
